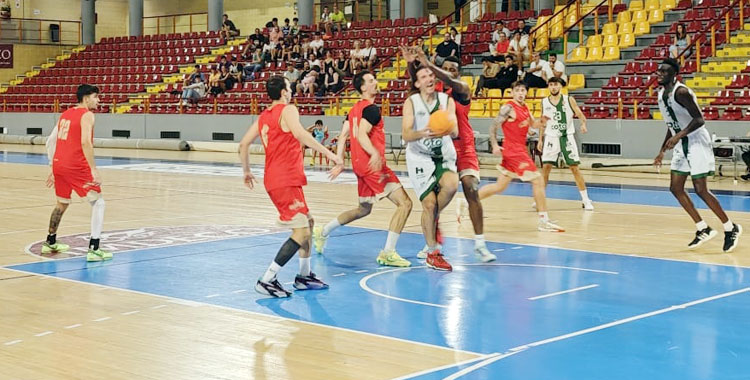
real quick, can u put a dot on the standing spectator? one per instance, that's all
(227, 28)
(338, 20)
(557, 68)
(342, 65)
(214, 84)
(333, 81)
(489, 78)
(294, 30)
(681, 41)
(445, 49)
(286, 28)
(325, 20)
(499, 29)
(508, 74)
(316, 45)
(369, 54)
(254, 66)
(537, 74)
(320, 133)
(292, 75)
(458, 4)
(501, 48)
(519, 49)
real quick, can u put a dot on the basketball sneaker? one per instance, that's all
(548, 226)
(392, 259)
(702, 236)
(98, 255)
(588, 205)
(732, 238)
(273, 289)
(319, 241)
(462, 208)
(423, 253)
(57, 247)
(484, 255)
(310, 282)
(435, 260)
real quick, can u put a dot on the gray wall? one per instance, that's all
(639, 139)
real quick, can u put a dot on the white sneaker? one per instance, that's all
(548, 226)
(533, 205)
(484, 255)
(462, 207)
(588, 205)
(423, 253)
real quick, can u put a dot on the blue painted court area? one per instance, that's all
(538, 312)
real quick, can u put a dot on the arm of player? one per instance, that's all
(363, 138)
(502, 116)
(579, 113)
(408, 133)
(451, 109)
(683, 98)
(290, 117)
(459, 87)
(660, 156)
(340, 150)
(51, 145)
(250, 136)
(87, 144)
(542, 129)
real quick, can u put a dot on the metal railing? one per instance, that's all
(695, 43)
(177, 23)
(40, 31)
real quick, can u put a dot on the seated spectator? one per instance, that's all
(681, 41)
(456, 36)
(275, 23)
(519, 49)
(286, 28)
(257, 41)
(557, 68)
(228, 29)
(489, 78)
(524, 30)
(328, 61)
(342, 65)
(445, 49)
(501, 48)
(234, 70)
(222, 62)
(500, 29)
(333, 82)
(194, 87)
(305, 69)
(296, 48)
(274, 39)
(305, 46)
(308, 84)
(227, 79)
(538, 72)
(316, 45)
(254, 66)
(508, 73)
(369, 54)
(292, 75)
(287, 48)
(355, 58)
(214, 85)
(314, 61)
(421, 45)
(294, 30)
(338, 20)
(325, 20)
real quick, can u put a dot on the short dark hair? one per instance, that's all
(552, 55)
(197, 67)
(295, 19)
(673, 63)
(274, 86)
(556, 80)
(500, 23)
(318, 122)
(452, 58)
(519, 83)
(84, 90)
(359, 80)
(275, 19)
(286, 19)
(225, 15)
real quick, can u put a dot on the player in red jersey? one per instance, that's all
(70, 148)
(375, 181)
(281, 133)
(515, 119)
(466, 161)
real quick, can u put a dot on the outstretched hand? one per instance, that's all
(407, 53)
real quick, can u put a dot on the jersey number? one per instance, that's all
(63, 128)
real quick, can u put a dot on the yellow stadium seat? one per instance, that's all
(610, 40)
(468, 80)
(576, 81)
(623, 16)
(594, 54)
(541, 93)
(570, 19)
(609, 28)
(541, 44)
(611, 53)
(656, 115)
(507, 93)
(495, 93)
(578, 55)
(543, 28)
(625, 28)
(635, 5)
(655, 15)
(642, 28)
(668, 4)
(627, 40)
(641, 15)
(556, 29)
(594, 41)
(652, 4)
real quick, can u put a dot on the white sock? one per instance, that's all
(390, 242)
(701, 225)
(728, 226)
(584, 195)
(479, 241)
(271, 272)
(97, 218)
(332, 225)
(544, 215)
(304, 266)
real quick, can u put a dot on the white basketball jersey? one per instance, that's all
(560, 117)
(675, 115)
(436, 146)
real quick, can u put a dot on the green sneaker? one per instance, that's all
(392, 259)
(98, 255)
(319, 241)
(57, 247)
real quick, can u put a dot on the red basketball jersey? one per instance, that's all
(465, 131)
(515, 132)
(284, 166)
(68, 150)
(360, 158)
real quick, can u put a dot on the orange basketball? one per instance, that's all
(440, 123)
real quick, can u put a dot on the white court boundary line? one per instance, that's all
(562, 292)
(368, 289)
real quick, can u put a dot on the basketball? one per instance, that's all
(440, 123)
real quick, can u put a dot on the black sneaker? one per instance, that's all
(273, 289)
(702, 236)
(746, 177)
(732, 238)
(310, 282)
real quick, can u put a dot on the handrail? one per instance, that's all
(580, 29)
(711, 28)
(178, 15)
(533, 31)
(174, 21)
(21, 22)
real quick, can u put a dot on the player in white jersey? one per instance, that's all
(693, 154)
(430, 159)
(558, 136)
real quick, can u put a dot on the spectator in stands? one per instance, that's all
(296, 48)
(227, 79)
(294, 30)
(256, 40)
(325, 20)
(508, 73)
(501, 48)
(214, 85)
(305, 46)
(557, 68)
(254, 66)
(425, 48)
(222, 62)
(369, 54)
(313, 60)
(455, 35)
(537, 73)
(681, 41)
(338, 20)
(445, 49)
(519, 49)
(328, 61)
(234, 70)
(489, 78)
(342, 65)
(355, 57)
(307, 84)
(193, 87)
(275, 23)
(499, 29)
(274, 38)
(524, 30)
(228, 29)
(292, 75)
(286, 28)
(316, 45)
(333, 81)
